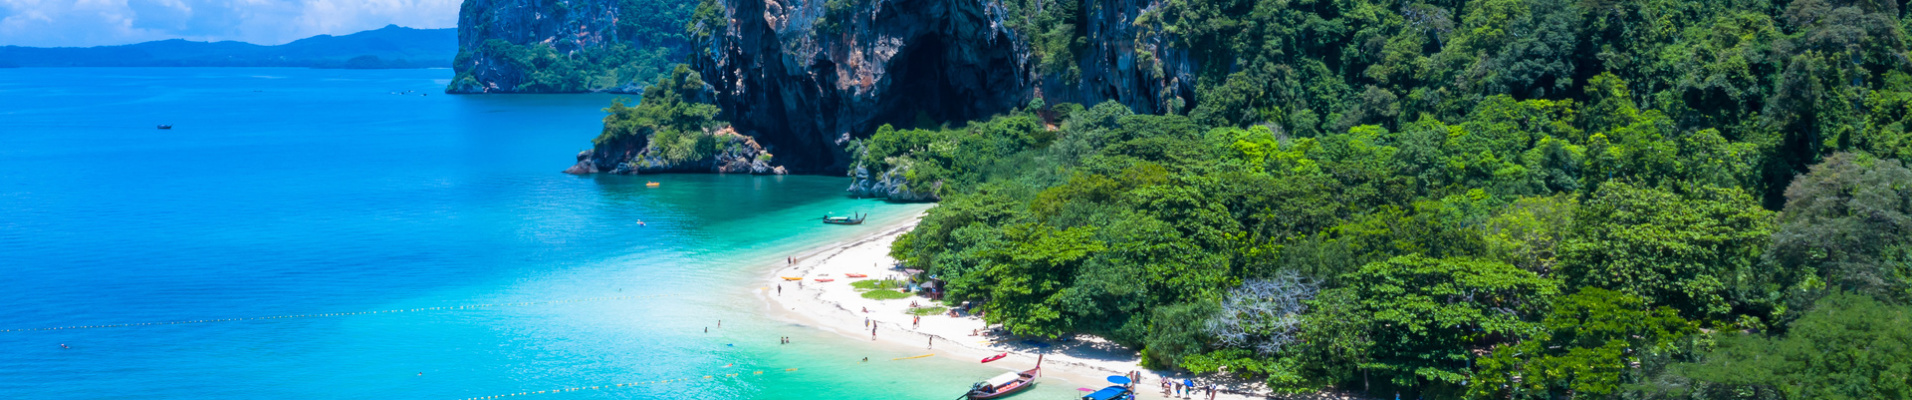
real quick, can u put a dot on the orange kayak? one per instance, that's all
(792, 278)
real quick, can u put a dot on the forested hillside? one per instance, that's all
(1487, 199)
(567, 46)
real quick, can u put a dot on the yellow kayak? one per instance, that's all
(792, 278)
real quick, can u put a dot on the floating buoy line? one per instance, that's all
(620, 385)
(344, 314)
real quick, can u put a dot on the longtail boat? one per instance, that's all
(1006, 384)
(844, 220)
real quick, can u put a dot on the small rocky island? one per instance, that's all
(672, 129)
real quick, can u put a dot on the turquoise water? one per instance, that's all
(293, 191)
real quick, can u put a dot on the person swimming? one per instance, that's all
(63, 346)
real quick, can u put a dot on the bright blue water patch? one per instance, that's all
(293, 191)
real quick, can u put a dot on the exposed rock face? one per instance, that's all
(804, 89)
(1113, 67)
(739, 155)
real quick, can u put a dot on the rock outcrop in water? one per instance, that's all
(805, 88)
(738, 154)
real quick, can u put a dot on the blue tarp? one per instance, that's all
(1108, 393)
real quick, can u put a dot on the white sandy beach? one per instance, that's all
(836, 306)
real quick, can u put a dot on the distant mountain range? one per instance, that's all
(389, 47)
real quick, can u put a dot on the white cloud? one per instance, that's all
(47, 23)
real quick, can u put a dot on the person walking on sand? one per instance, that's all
(916, 322)
(872, 333)
(932, 342)
(779, 289)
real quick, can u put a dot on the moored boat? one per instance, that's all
(1006, 384)
(1003, 385)
(844, 220)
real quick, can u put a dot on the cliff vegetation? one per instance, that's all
(671, 129)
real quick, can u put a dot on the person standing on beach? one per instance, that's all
(916, 322)
(779, 289)
(872, 332)
(932, 342)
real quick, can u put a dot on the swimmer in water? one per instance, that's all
(63, 346)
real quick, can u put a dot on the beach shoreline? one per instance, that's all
(837, 307)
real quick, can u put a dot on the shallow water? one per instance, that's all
(295, 191)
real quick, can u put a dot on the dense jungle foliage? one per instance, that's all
(671, 120)
(648, 38)
(1487, 199)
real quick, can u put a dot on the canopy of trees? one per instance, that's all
(1489, 199)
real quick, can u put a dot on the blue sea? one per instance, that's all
(294, 192)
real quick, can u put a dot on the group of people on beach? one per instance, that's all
(1185, 389)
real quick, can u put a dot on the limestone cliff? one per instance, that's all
(804, 86)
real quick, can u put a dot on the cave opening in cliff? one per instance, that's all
(927, 91)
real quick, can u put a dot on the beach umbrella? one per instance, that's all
(1118, 379)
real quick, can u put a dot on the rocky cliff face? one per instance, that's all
(804, 87)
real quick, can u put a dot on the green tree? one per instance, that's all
(1030, 274)
(1686, 252)
(1584, 348)
(1848, 347)
(1426, 318)
(1848, 226)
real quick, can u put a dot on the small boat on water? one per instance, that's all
(165, 127)
(1006, 384)
(652, 184)
(844, 220)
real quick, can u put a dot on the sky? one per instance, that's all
(74, 23)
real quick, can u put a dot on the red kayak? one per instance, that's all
(995, 357)
(856, 275)
(824, 279)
